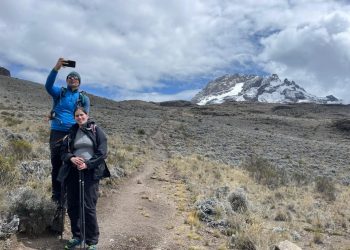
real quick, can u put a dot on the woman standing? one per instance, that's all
(84, 150)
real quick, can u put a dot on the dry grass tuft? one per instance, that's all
(264, 172)
(326, 187)
(20, 148)
(125, 156)
(9, 174)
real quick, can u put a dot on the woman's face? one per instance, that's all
(80, 117)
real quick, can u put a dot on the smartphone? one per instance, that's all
(69, 63)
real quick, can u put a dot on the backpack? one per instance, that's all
(80, 103)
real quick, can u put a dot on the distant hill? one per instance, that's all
(4, 72)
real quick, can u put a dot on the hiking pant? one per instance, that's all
(56, 162)
(92, 232)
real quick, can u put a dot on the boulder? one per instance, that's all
(286, 245)
(4, 72)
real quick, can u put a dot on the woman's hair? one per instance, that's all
(80, 108)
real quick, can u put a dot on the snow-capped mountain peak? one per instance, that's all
(254, 88)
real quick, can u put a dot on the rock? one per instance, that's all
(6, 229)
(278, 230)
(4, 72)
(286, 245)
(207, 210)
(117, 172)
(296, 236)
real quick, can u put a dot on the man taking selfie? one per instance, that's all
(65, 100)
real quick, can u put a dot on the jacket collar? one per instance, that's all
(86, 127)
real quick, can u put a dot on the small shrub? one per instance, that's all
(318, 237)
(234, 224)
(241, 242)
(238, 202)
(342, 125)
(44, 134)
(264, 172)
(5, 113)
(34, 209)
(141, 131)
(326, 187)
(9, 174)
(20, 148)
(300, 178)
(12, 121)
(282, 216)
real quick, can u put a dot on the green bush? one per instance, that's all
(20, 148)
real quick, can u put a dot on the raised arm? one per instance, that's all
(54, 91)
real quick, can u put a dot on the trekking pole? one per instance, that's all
(82, 207)
(62, 206)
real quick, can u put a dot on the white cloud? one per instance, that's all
(316, 55)
(135, 45)
(157, 96)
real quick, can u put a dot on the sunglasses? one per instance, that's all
(73, 77)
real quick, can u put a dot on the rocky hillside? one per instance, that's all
(308, 139)
(254, 88)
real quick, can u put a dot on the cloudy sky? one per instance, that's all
(169, 49)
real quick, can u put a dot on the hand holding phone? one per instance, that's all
(69, 63)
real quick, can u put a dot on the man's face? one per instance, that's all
(73, 82)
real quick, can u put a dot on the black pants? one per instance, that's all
(56, 162)
(92, 232)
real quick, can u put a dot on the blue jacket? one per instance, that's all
(64, 105)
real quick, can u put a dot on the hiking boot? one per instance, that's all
(91, 247)
(72, 243)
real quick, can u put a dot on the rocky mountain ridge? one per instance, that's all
(253, 88)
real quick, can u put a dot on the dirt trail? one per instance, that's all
(140, 215)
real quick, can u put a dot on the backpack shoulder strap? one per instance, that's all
(93, 128)
(82, 98)
(63, 91)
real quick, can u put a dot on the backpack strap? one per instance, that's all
(52, 114)
(81, 99)
(93, 128)
(80, 102)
